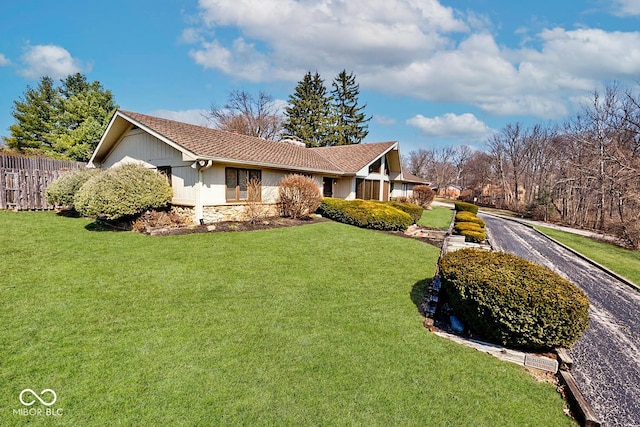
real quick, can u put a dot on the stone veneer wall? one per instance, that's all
(212, 214)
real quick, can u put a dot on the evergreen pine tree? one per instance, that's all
(34, 116)
(350, 121)
(65, 122)
(308, 115)
(84, 111)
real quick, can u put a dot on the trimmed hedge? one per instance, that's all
(472, 231)
(62, 191)
(466, 216)
(474, 236)
(365, 214)
(414, 211)
(513, 302)
(468, 207)
(123, 191)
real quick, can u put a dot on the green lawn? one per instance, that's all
(311, 325)
(437, 217)
(622, 261)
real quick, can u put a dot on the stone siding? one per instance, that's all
(213, 214)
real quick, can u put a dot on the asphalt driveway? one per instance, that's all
(607, 358)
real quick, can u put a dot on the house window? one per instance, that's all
(237, 181)
(375, 166)
(166, 171)
(367, 189)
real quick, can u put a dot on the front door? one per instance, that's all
(327, 187)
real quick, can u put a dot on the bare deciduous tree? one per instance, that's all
(248, 115)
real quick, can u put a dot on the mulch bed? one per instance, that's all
(232, 226)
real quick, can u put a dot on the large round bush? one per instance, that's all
(123, 191)
(62, 191)
(423, 196)
(299, 196)
(511, 301)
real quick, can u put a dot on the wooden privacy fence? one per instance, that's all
(23, 180)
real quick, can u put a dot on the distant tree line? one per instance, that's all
(584, 172)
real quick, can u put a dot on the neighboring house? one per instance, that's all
(208, 169)
(404, 186)
(450, 191)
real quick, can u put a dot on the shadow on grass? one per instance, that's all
(420, 292)
(68, 213)
(101, 225)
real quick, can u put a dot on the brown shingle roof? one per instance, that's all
(409, 177)
(352, 158)
(215, 144)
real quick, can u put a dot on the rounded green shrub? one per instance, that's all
(466, 216)
(474, 236)
(468, 207)
(365, 214)
(123, 191)
(459, 227)
(472, 231)
(412, 209)
(513, 302)
(62, 191)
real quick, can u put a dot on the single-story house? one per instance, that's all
(208, 169)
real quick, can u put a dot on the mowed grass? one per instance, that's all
(437, 217)
(622, 261)
(312, 325)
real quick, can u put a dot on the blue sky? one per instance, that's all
(432, 73)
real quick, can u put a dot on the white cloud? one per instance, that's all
(318, 34)
(49, 60)
(190, 36)
(464, 127)
(626, 7)
(195, 116)
(416, 48)
(384, 120)
(279, 105)
(4, 60)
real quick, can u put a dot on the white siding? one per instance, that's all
(214, 190)
(345, 189)
(140, 147)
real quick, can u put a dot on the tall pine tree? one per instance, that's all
(350, 121)
(35, 116)
(65, 122)
(308, 115)
(84, 111)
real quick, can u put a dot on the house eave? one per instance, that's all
(275, 166)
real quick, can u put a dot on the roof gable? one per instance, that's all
(352, 158)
